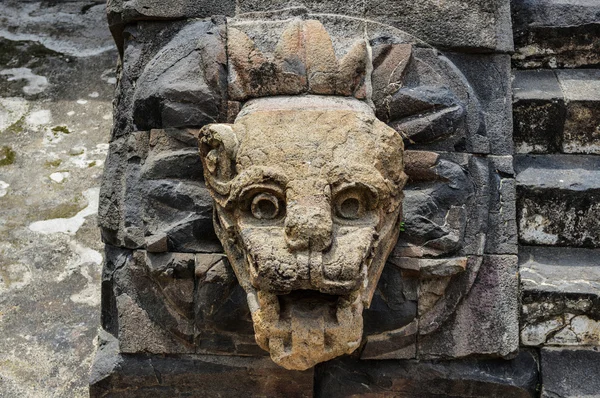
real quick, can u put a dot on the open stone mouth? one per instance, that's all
(309, 303)
(305, 327)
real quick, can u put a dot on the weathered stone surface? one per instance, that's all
(556, 33)
(486, 26)
(389, 323)
(517, 377)
(557, 200)
(56, 87)
(298, 218)
(152, 188)
(446, 209)
(560, 295)
(502, 236)
(148, 301)
(222, 317)
(433, 106)
(123, 12)
(538, 112)
(570, 372)
(415, 89)
(484, 74)
(302, 61)
(119, 211)
(122, 375)
(557, 111)
(486, 322)
(184, 84)
(582, 96)
(83, 33)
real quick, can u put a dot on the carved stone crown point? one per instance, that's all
(303, 62)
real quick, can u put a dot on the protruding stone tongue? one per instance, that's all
(312, 331)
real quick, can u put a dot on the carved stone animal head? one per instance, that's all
(308, 195)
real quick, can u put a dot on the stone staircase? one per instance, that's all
(556, 133)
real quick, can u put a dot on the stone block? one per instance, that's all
(142, 375)
(582, 96)
(538, 112)
(222, 317)
(119, 210)
(445, 213)
(389, 323)
(345, 377)
(557, 111)
(173, 74)
(430, 102)
(560, 296)
(142, 42)
(153, 191)
(293, 58)
(558, 200)
(488, 76)
(501, 237)
(184, 84)
(486, 322)
(556, 33)
(437, 101)
(123, 12)
(570, 373)
(153, 299)
(477, 26)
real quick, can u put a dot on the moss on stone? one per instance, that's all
(65, 210)
(17, 127)
(7, 156)
(61, 129)
(92, 164)
(53, 163)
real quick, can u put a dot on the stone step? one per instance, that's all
(558, 200)
(560, 296)
(556, 111)
(556, 33)
(570, 372)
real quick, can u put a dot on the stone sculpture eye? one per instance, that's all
(350, 204)
(265, 206)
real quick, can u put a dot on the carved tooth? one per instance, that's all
(269, 306)
(302, 261)
(266, 319)
(316, 269)
(252, 267)
(252, 301)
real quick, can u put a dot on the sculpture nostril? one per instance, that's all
(308, 228)
(295, 240)
(322, 244)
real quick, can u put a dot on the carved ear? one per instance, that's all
(218, 149)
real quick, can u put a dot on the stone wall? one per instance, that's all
(556, 113)
(478, 290)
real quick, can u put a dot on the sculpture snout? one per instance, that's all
(308, 227)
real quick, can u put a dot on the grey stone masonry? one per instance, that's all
(556, 33)
(144, 375)
(560, 296)
(558, 200)
(123, 12)
(481, 26)
(471, 377)
(582, 99)
(557, 111)
(570, 373)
